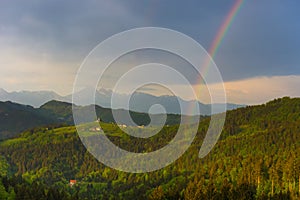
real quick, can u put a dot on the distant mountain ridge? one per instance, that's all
(139, 102)
(32, 98)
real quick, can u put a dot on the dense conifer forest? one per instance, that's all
(257, 157)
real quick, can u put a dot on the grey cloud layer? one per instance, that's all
(263, 39)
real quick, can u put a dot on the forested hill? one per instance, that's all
(278, 114)
(63, 111)
(15, 118)
(257, 157)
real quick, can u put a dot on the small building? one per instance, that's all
(92, 129)
(123, 125)
(95, 129)
(72, 182)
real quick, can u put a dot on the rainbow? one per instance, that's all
(221, 34)
(224, 28)
(217, 42)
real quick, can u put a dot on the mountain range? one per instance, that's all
(139, 102)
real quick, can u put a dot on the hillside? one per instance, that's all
(15, 118)
(63, 111)
(257, 157)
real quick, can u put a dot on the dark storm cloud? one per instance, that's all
(263, 39)
(63, 27)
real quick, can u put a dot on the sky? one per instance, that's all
(43, 43)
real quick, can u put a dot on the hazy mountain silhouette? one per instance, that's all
(139, 102)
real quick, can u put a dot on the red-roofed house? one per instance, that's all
(72, 182)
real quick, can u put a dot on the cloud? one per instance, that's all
(262, 41)
(259, 90)
(63, 29)
(24, 71)
(42, 43)
(68, 30)
(252, 91)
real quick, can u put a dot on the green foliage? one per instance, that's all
(16, 118)
(3, 166)
(63, 111)
(257, 157)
